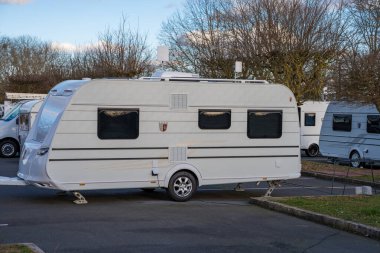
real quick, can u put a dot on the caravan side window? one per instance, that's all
(309, 119)
(118, 123)
(342, 122)
(214, 119)
(373, 124)
(264, 124)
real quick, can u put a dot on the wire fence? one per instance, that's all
(367, 174)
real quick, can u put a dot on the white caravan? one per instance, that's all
(9, 145)
(169, 133)
(28, 113)
(351, 131)
(311, 117)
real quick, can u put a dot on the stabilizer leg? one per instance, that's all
(80, 199)
(238, 188)
(272, 186)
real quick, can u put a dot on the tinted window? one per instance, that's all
(342, 122)
(264, 124)
(118, 123)
(373, 124)
(309, 119)
(214, 119)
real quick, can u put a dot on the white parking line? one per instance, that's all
(3, 225)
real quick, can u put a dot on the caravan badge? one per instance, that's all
(163, 126)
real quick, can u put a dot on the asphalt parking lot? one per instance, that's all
(218, 219)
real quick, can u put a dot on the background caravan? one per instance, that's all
(176, 134)
(351, 131)
(311, 117)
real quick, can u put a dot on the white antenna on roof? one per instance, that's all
(238, 67)
(162, 54)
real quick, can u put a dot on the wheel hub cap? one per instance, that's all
(7, 149)
(183, 186)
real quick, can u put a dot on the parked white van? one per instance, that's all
(171, 133)
(9, 145)
(351, 131)
(311, 118)
(28, 113)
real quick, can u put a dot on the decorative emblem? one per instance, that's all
(163, 126)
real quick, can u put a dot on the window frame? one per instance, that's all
(265, 111)
(229, 111)
(315, 119)
(342, 115)
(24, 126)
(376, 115)
(119, 109)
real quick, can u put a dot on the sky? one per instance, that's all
(79, 22)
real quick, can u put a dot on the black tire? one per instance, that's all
(8, 148)
(313, 150)
(182, 186)
(354, 157)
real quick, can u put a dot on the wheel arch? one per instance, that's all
(355, 149)
(12, 139)
(311, 144)
(183, 167)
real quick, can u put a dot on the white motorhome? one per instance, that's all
(9, 145)
(351, 131)
(28, 113)
(311, 117)
(171, 133)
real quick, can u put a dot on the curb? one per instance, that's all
(340, 179)
(349, 226)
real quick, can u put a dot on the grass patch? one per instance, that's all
(15, 248)
(341, 171)
(368, 178)
(362, 209)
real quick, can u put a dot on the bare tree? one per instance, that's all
(198, 39)
(121, 53)
(292, 42)
(356, 75)
(28, 65)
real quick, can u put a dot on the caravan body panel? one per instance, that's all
(311, 117)
(169, 137)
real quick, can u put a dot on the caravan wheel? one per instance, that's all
(313, 150)
(355, 159)
(182, 186)
(8, 148)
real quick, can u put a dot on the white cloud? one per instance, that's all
(68, 47)
(14, 1)
(64, 46)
